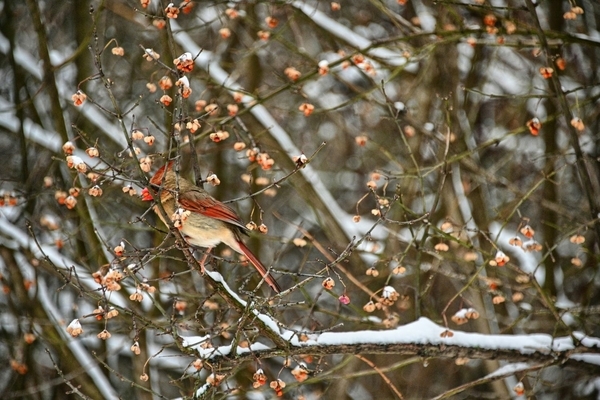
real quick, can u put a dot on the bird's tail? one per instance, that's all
(259, 267)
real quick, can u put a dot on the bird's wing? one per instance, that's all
(158, 175)
(202, 203)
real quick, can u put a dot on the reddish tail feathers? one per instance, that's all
(259, 267)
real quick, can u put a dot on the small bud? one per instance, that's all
(225, 33)
(29, 338)
(146, 164)
(459, 318)
(112, 312)
(306, 108)
(74, 161)
(149, 140)
(409, 131)
(490, 20)
(389, 295)
(129, 190)
(399, 270)
(259, 378)
(328, 283)
(515, 241)
(517, 297)
(510, 27)
(446, 333)
(215, 379)
(151, 55)
(232, 109)
(70, 202)
(219, 136)
(265, 161)
(118, 51)
(238, 97)
(441, 247)
(272, 22)
(323, 67)
(299, 242)
(292, 73)
(119, 250)
(212, 109)
(60, 197)
(232, 13)
(74, 329)
(519, 389)
(471, 313)
(136, 134)
(68, 148)
(277, 386)
(300, 373)
(78, 98)
(193, 125)
(361, 140)
(166, 100)
(263, 35)
(534, 125)
(180, 306)
(300, 160)
(197, 364)
(199, 105)
(135, 348)
(92, 152)
(104, 335)
(213, 180)
(578, 124)
(527, 231)
(501, 259)
(577, 239)
(532, 245)
(171, 11)
(136, 296)
(369, 307)
(165, 83)
(239, 146)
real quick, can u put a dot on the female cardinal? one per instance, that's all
(205, 221)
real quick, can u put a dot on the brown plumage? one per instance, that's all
(209, 221)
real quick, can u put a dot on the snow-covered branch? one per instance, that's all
(426, 339)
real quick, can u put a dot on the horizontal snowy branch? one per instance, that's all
(424, 338)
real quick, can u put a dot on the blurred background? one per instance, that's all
(447, 150)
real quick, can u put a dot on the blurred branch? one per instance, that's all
(584, 167)
(49, 77)
(492, 377)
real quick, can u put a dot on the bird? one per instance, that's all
(202, 220)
